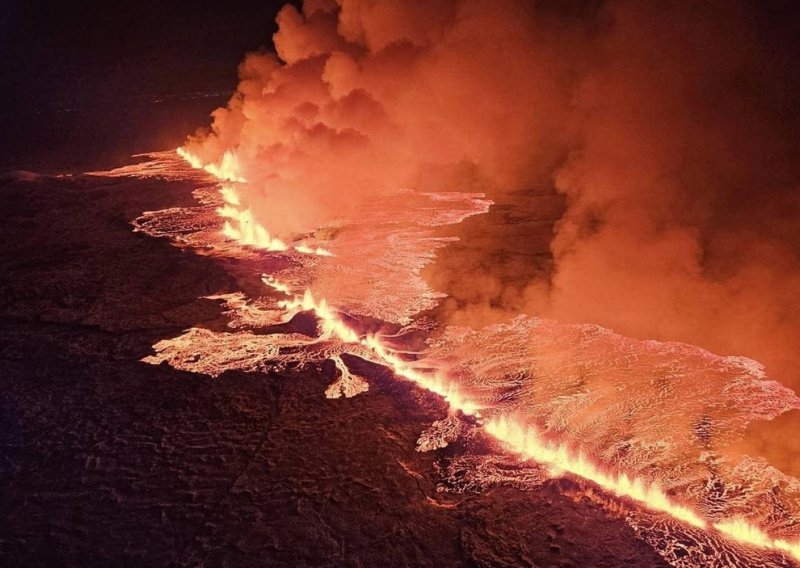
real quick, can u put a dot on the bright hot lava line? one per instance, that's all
(523, 440)
(240, 224)
(527, 441)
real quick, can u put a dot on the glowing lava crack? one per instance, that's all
(527, 441)
(518, 436)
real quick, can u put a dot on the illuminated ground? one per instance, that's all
(107, 460)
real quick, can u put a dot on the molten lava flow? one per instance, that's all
(348, 384)
(742, 531)
(332, 326)
(240, 224)
(526, 441)
(519, 437)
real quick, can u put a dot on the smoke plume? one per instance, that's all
(668, 129)
(366, 97)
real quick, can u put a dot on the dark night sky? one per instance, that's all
(80, 79)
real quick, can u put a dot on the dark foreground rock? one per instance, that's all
(107, 461)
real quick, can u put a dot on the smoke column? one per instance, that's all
(363, 98)
(670, 130)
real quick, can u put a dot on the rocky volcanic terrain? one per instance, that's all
(108, 461)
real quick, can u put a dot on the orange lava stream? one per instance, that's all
(332, 326)
(742, 531)
(524, 440)
(528, 442)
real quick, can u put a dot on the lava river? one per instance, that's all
(647, 426)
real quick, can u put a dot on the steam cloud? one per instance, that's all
(670, 129)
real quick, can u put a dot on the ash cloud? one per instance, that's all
(668, 129)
